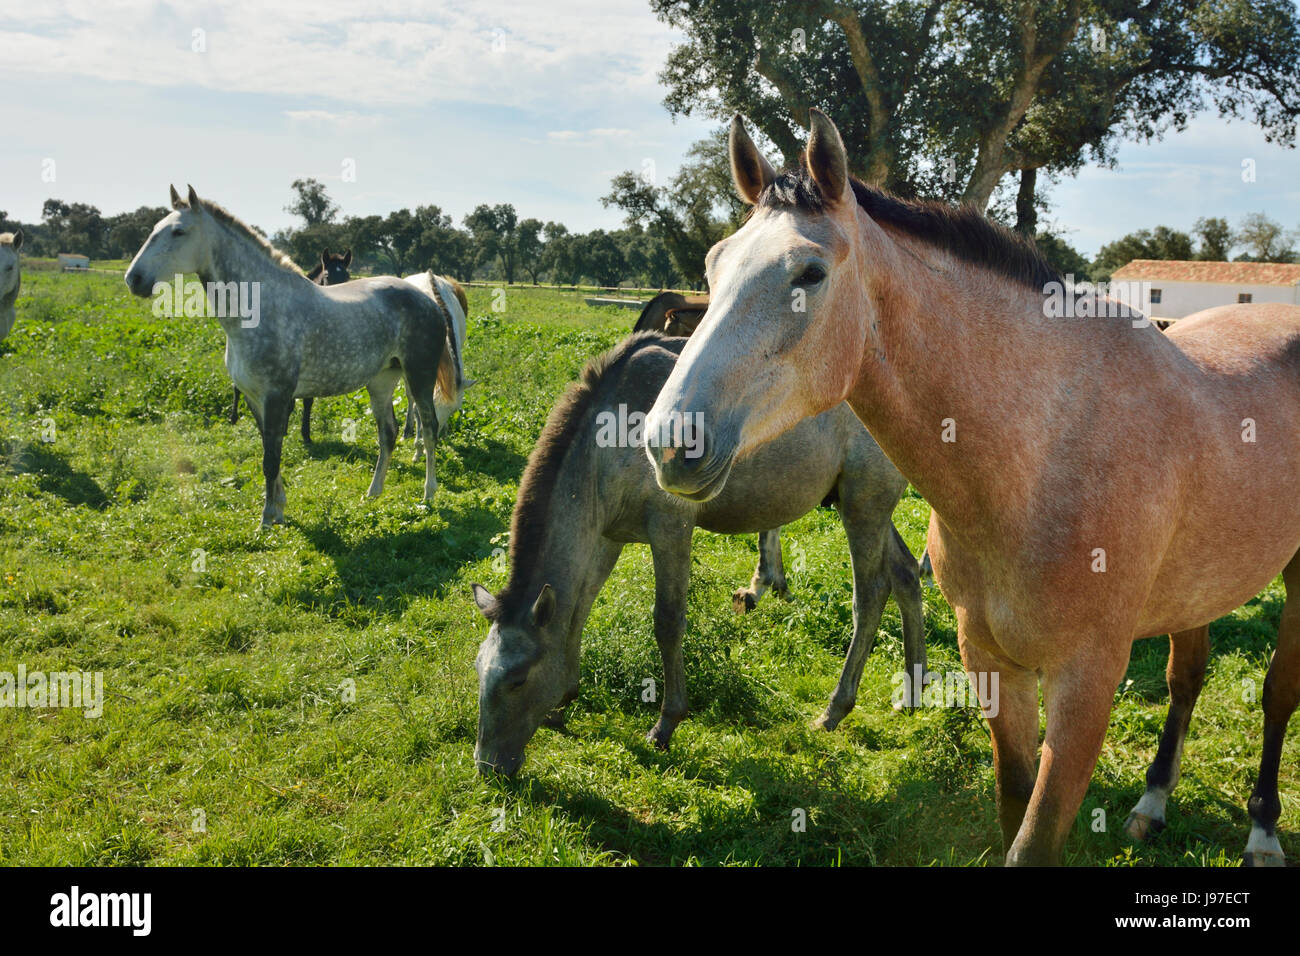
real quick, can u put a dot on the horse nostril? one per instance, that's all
(684, 456)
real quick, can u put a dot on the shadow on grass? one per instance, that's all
(1201, 820)
(56, 477)
(844, 826)
(1255, 637)
(399, 567)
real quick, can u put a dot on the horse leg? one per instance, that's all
(1281, 694)
(770, 573)
(416, 429)
(867, 545)
(1189, 651)
(905, 585)
(234, 407)
(274, 421)
(421, 400)
(1079, 694)
(1013, 726)
(381, 406)
(306, 421)
(671, 552)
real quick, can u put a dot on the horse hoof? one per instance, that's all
(656, 737)
(1141, 827)
(826, 722)
(1263, 849)
(743, 601)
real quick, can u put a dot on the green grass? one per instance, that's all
(229, 681)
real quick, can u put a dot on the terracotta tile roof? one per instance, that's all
(1227, 273)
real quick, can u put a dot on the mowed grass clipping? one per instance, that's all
(307, 695)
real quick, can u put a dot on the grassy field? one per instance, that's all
(307, 695)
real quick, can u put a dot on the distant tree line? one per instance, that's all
(492, 242)
(668, 230)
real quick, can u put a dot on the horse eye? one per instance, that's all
(515, 685)
(811, 276)
(178, 232)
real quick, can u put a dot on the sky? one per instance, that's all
(395, 103)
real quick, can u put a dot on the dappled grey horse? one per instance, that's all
(589, 489)
(331, 270)
(288, 338)
(10, 279)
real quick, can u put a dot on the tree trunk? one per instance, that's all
(1026, 211)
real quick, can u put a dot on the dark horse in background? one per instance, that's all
(331, 270)
(672, 313)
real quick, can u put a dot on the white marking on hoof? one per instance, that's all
(1263, 849)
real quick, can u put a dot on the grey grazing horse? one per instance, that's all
(583, 497)
(10, 279)
(290, 339)
(331, 270)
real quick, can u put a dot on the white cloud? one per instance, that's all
(344, 121)
(505, 54)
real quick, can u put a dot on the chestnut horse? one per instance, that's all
(1093, 481)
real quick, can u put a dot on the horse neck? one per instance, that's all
(236, 258)
(576, 519)
(9, 298)
(955, 342)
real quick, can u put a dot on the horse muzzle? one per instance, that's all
(138, 284)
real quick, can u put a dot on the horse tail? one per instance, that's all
(451, 376)
(448, 383)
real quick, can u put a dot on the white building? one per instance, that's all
(1177, 288)
(70, 262)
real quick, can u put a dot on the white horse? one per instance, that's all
(10, 278)
(450, 298)
(289, 338)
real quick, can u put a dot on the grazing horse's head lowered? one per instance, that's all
(521, 675)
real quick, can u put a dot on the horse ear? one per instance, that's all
(749, 169)
(544, 606)
(347, 258)
(18, 239)
(195, 203)
(177, 201)
(324, 257)
(487, 604)
(827, 160)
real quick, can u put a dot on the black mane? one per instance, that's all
(961, 230)
(529, 521)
